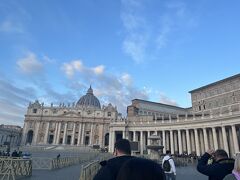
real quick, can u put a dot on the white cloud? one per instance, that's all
(126, 78)
(98, 69)
(9, 26)
(76, 66)
(136, 35)
(30, 64)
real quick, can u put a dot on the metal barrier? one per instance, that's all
(10, 167)
(89, 170)
(56, 163)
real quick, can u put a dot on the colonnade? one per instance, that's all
(184, 140)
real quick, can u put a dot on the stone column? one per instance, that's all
(148, 140)
(184, 141)
(91, 135)
(79, 134)
(83, 133)
(171, 141)
(235, 140)
(164, 142)
(59, 132)
(220, 135)
(225, 139)
(24, 134)
(141, 142)
(202, 147)
(113, 140)
(134, 135)
(193, 148)
(73, 133)
(205, 139)
(65, 133)
(35, 137)
(123, 134)
(46, 133)
(197, 142)
(188, 142)
(55, 133)
(179, 142)
(215, 142)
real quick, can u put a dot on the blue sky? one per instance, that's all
(153, 50)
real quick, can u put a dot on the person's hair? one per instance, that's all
(168, 152)
(220, 153)
(141, 169)
(123, 146)
(237, 163)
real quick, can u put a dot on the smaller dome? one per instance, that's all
(89, 100)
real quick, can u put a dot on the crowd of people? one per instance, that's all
(15, 154)
(215, 164)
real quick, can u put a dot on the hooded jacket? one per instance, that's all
(216, 171)
(110, 168)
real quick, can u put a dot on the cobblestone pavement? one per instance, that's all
(73, 173)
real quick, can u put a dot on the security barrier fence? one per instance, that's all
(10, 168)
(89, 170)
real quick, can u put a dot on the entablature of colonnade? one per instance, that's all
(190, 124)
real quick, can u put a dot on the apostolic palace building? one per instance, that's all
(213, 121)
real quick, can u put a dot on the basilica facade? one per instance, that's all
(213, 121)
(84, 123)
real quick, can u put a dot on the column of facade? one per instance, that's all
(188, 142)
(73, 134)
(171, 141)
(231, 143)
(164, 142)
(205, 139)
(197, 142)
(79, 134)
(83, 133)
(184, 141)
(65, 133)
(235, 140)
(59, 132)
(175, 141)
(202, 146)
(91, 135)
(192, 137)
(134, 135)
(123, 134)
(55, 133)
(220, 136)
(141, 142)
(224, 136)
(179, 142)
(24, 134)
(46, 133)
(113, 140)
(36, 133)
(215, 142)
(110, 140)
(211, 144)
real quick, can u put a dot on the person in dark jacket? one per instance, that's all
(110, 168)
(219, 168)
(141, 169)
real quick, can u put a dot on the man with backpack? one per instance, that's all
(169, 166)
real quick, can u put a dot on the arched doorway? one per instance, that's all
(29, 137)
(106, 139)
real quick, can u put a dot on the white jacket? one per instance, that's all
(173, 168)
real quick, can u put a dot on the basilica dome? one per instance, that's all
(89, 100)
